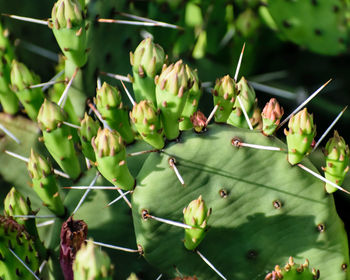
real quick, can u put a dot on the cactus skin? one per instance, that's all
(271, 116)
(337, 161)
(44, 183)
(8, 99)
(15, 204)
(109, 103)
(231, 180)
(111, 158)
(146, 62)
(292, 271)
(58, 138)
(196, 214)
(225, 93)
(300, 135)
(298, 21)
(88, 129)
(68, 26)
(14, 235)
(191, 105)
(172, 87)
(247, 96)
(147, 121)
(92, 263)
(73, 235)
(31, 99)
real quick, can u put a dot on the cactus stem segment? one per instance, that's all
(128, 94)
(46, 84)
(47, 223)
(329, 128)
(113, 247)
(172, 163)
(98, 115)
(239, 63)
(143, 152)
(71, 125)
(57, 172)
(321, 178)
(9, 134)
(244, 112)
(304, 103)
(212, 113)
(92, 187)
(64, 95)
(86, 193)
(210, 265)
(238, 143)
(28, 19)
(146, 216)
(24, 264)
(139, 23)
(116, 76)
(118, 198)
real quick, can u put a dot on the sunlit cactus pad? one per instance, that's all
(263, 209)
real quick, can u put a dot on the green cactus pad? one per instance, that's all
(68, 26)
(147, 121)
(111, 158)
(263, 209)
(14, 236)
(58, 138)
(225, 93)
(337, 161)
(31, 99)
(44, 183)
(247, 96)
(317, 25)
(300, 135)
(147, 62)
(109, 103)
(92, 263)
(292, 271)
(172, 87)
(194, 94)
(88, 129)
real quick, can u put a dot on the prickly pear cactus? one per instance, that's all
(196, 200)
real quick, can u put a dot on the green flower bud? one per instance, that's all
(147, 122)
(111, 158)
(191, 105)
(224, 92)
(109, 103)
(271, 116)
(148, 59)
(66, 13)
(50, 116)
(68, 26)
(92, 263)
(337, 161)
(21, 79)
(172, 88)
(293, 271)
(247, 96)
(196, 214)
(44, 183)
(299, 136)
(88, 129)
